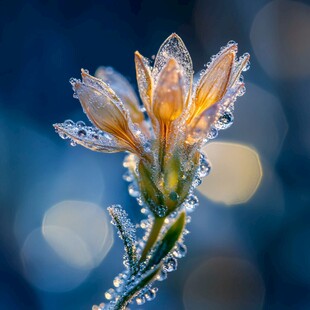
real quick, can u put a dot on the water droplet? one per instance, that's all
(162, 275)
(171, 264)
(133, 190)
(151, 294)
(62, 135)
(81, 133)
(109, 294)
(160, 210)
(140, 300)
(128, 177)
(231, 42)
(68, 122)
(173, 196)
(204, 168)
(117, 282)
(180, 251)
(241, 91)
(197, 181)
(80, 124)
(213, 133)
(225, 121)
(191, 203)
(73, 143)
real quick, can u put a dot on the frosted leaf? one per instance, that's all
(88, 136)
(174, 47)
(126, 232)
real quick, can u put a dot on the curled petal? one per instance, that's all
(173, 47)
(124, 91)
(145, 81)
(89, 137)
(168, 102)
(105, 110)
(214, 82)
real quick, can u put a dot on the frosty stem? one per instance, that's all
(153, 236)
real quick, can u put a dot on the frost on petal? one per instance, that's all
(105, 110)
(144, 80)
(168, 102)
(87, 136)
(213, 84)
(242, 64)
(123, 89)
(174, 47)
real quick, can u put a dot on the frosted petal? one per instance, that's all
(87, 136)
(144, 80)
(174, 47)
(123, 89)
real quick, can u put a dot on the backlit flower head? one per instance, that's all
(164, 140)
(181, 115)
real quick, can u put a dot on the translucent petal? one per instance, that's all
(123, 89)
(168, 102)
(174, 47)
(105, 110)
(213, 83)
(145, 81)
(89, 137)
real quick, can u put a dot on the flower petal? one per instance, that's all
(214, 82)
(168, 102)
(89, 137)
(105, 110)
(123, 89)
(174, 47)
(145, 81)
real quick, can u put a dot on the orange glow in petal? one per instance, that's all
(213, 84)
(168, 96)
(100, 105)
(145, 81)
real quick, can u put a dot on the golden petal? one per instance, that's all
(89, 137)
(124, 91)
(174, 47)
(145, 81)
(105, 109)
(213, 84)
(168, 102)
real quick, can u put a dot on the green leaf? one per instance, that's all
(168, 241)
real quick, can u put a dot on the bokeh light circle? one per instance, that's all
(224, 283)
(236, 173)
(79, 232)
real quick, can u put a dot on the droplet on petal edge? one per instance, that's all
(87, 136)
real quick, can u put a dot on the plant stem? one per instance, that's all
(153, 236)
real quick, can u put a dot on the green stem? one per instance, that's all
(153, 236)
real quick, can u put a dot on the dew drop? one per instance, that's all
(80, 124)
(213, 133)
(171, 264)
(81, 133)
(62, 135)
(180, 250)
(204, 168)
(151, 294)
(68, 122)
(173, 196)
(162, 275)
(133, 190)
(128, 177)
(225, 121)
(191, 203)
(140, 300)
(73, 143)
(160, 210)
(109, 294)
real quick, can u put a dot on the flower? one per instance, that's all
(182, 116)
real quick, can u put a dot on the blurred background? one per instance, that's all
(249, 241)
